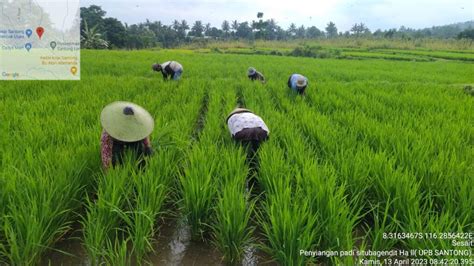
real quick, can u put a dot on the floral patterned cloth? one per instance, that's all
(240, 121)
(107, 143)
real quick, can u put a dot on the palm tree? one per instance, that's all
(207, 29)
(197, 29)
(225, 27)
(176, 25)
(184, 25)
(92, 39)
(235, 25)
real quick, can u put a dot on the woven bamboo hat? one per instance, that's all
(238, 111)
(301, 82)
(126, 121)
(251, 71)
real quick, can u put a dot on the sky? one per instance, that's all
(375, 14)
(61, 12)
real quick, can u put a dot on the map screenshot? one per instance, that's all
(39, 40)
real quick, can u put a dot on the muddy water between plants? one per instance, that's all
(173, 247)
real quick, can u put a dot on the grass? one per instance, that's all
(364, 43)
(375, 146)
(343, 48)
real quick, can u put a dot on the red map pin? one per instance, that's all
(40, 31)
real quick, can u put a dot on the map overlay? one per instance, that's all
(40, 40)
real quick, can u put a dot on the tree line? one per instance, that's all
(99, 31)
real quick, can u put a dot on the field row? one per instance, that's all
(374, 147)
(317, 51)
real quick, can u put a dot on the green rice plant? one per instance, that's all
(116, 252)
(232, 232)
(287, 228)
(198, 188)
(106, 213)
(383, 222)
(315, 185)
(151, 189)
(388, 141)
(202, 170)
(430, 223)
(3, 202)
(40, 210)
(364, 163)
(338, 215)
(275, 174)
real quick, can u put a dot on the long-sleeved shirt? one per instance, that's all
(171, 69)
(112, 150)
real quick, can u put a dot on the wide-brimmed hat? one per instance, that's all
(251, 71)
(238, 111)
(126, 121)
(301, 82)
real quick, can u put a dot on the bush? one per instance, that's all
(216, 50)
(314, 51)
(275, 52)
(466, 34)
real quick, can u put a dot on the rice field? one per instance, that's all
(376, 146)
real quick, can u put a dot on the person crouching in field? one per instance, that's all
(469, 90)
(248, 128)
(169, 69)
(298, 83)
(253, 74)
(126, 127)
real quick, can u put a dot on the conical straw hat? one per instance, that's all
(237, 111)
(126, 121)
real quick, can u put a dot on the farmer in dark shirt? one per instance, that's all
(253, 74)
(126, 126)
(169, 69)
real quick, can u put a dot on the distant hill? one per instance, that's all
(450, 30)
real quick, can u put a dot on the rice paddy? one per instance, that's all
(376, 146)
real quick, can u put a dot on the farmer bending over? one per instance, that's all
(126, 126)
(169, 69)
(253, 74)
(248, 128)
(298, 83)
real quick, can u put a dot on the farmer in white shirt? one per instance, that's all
(248, 128)
(169, 69)
(298, 83)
